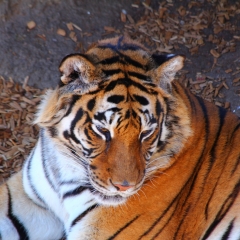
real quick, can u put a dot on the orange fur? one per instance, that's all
(182, 201)
(193, 182)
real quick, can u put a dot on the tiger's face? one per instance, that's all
(116, 132)
(110, 115)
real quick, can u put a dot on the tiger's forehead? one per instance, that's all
(124, 94)
(120, 106)
(120, 52)
(126, 84)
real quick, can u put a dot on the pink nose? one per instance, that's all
(122, 187)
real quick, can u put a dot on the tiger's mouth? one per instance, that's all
(108, 200)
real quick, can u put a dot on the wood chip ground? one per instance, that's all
(17, 135)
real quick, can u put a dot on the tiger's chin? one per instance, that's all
(108, 200)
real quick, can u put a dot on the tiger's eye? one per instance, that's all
(145, 134)
(105, 132)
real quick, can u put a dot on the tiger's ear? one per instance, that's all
(79, 76)
(169, 65)
(76, 66)
(78, 72)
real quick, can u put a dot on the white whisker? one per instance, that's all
(155, 159)
(143, 193)
(149, 185)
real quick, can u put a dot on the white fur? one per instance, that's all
(7, 230)
(50, 216)
(165, 132)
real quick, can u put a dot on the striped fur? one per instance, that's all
(119, 132)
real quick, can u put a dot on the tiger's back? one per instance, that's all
(197, 197)
(126, 152)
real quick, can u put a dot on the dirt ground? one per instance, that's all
(37, 51)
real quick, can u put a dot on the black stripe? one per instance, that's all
(16, 222)
(141, 87)
(236, 164)
(228, 231)
(221, 214)
(134, 114)
(221, 114)
(108, 46)
(119, 121)
(154, 140)
(100, 116)
(127, 116)
(99, 89)
(87, 134)
(115, 98)
(142, 100)
(87, 151)
(158, 108)
(191, 180)
(188, 94)
(236, 128)
(111, 72)
(129, 46)
(91, 104)
(78, 116)
(133, 62)
(124, 59)
(66, 134)
(124, 227)
(94, 156)
(223, 211)
(74, 192)
(114, 109)
(111, 86)
(159, 219)
(69, 182)
(87, 119)
(144, 134)
(126, 82)
(93, 132)
(206, 119)
(45, 160)
(82, 215)
(111, 60)
(238, 157)
(205, 113)
(139, 76)
(75, 98)
(29, 162)
(52, 131)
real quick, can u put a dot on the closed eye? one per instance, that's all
(145, 134)
(105, 132)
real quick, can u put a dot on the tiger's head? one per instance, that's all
(113, 112)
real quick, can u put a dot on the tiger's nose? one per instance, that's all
(122, 186)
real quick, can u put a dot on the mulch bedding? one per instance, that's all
(164, 29)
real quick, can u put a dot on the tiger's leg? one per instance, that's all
(78, 207)
(7, 228)
(21, 218)
(54, 185)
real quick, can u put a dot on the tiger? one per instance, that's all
(125, 151)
